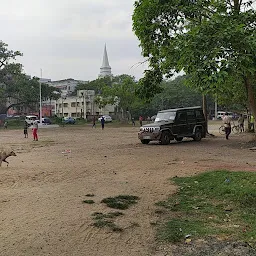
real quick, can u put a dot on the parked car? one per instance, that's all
(107, 118)
(69, 120)
(46, 120)
(175, 124)
(220, 114)
(30, 119)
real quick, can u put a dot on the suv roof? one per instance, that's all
(176, 109)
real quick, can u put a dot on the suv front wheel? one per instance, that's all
(145, 141)
(165, 138)
(198, 134)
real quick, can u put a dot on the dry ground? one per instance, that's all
(41, 209)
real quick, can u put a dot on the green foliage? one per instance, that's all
(15, 85)
(88, 202)
(212, 204)
(106, 220)
(121, 202)
(213, 42)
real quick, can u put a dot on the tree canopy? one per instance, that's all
(16, 88)
(213, 42)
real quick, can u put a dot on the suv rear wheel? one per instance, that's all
(145, 141)
(198, 135)
(165, 138)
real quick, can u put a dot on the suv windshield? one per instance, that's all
(165, 116)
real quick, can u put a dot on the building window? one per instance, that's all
(73, 104)
(59, 105)
(78, 104)
(65, 105)
(73, 114)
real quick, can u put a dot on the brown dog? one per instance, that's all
(4, 155)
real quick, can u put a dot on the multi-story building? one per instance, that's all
(67, 86)
(81, 106)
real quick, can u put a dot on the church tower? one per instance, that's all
(105, 69)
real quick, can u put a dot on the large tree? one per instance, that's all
(16, 88)
(121, 92)
(213, 42)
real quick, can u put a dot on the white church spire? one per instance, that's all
(105, 69)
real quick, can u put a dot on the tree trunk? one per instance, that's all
(250, 95)
(205, 111)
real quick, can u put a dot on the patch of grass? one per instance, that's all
(110, 215)
(121, 202)
(88, 202)
(216, 203)
(106, 220)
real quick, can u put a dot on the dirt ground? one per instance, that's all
(42, 191)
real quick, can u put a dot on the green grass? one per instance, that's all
(216, 203)
(88, 202)
(102, 220)
(121, 202)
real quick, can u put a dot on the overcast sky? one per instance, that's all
(66, 38)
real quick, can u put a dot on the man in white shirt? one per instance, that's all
(227, 123)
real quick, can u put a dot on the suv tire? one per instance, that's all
(179, 138)
(145, 141)
(198, 134)
(165, 138)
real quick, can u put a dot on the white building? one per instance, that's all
(67, 86)
(81, 106)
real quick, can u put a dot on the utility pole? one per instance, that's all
(40, 104)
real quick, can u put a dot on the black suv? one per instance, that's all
(175, 124)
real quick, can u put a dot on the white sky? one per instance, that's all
(66, 38)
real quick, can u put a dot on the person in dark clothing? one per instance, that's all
(26, 129)
(94, 122)
(133, 122)
(227, 123)
(102, 122)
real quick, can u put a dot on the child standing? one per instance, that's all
(26, 129)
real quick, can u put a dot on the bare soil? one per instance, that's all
(42, 191)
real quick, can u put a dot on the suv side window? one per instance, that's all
(191, 115)
(181, 117)
(199, 114)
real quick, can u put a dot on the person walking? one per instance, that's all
(94, 122)
(133, 122)
(35, 129)
(241, 123)
(102, 120)
(5, 125)
(26, 129)
(140, 119)
(227, 124)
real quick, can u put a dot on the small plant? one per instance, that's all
(106, 220)
(88, 201)
(121, 202)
